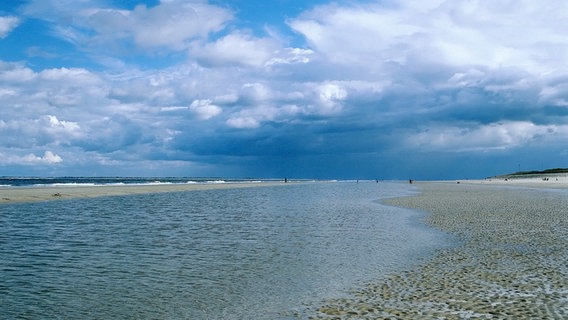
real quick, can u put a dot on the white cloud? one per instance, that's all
(173, 23)
(496, 34)
(48, 158)
(72, 87)
(66, 128)
(494, 136)
(255, 92)
(7, 24)
(204, 109)
(355, 34)
(71, 75)
(227, 98)
(262, 103)
(14, 73)
(332, 92)
(170, 24)
(236, 49)
(44, 131)
(328, 99)
(172, 108)
(291, 55)
(63, 93)
(243, 122)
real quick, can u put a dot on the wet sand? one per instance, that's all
(34, 194)
(511, 261)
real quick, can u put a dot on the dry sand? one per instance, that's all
(511, 263)
(551, 181)
(32, 194)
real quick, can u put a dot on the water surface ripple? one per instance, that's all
(252, 253)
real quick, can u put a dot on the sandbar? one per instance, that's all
(48, 193)
(509, 261)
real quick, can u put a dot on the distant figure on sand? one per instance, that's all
(410, 181)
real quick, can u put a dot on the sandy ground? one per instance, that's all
(511, 261)
(32, 194)
(554, 181)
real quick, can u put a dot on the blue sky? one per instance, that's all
(286, 88)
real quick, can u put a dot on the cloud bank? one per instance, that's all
(367, 89)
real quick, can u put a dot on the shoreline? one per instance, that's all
(53, 193)
(510, 262)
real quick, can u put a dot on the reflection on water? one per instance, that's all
(215, 254)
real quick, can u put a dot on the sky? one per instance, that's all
(369, 89)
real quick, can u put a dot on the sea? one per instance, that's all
(267, 252)
(113, 181)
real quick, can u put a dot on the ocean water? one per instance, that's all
(253, 253)
(9, 182)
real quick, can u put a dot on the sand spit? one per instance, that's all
(33, 194)
(512, 263)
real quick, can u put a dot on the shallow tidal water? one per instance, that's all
(249, 253)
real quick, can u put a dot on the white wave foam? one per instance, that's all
(216, 181)
(70, 184)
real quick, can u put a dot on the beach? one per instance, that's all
(47, 193)
(510, 261)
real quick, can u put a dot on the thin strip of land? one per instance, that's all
(34, 194)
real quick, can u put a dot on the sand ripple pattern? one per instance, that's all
(512, 264)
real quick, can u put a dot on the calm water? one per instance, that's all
(253, 253)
